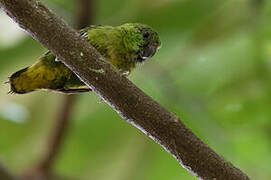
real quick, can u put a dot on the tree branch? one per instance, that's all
(129, 101)
(57, 135)
(85, 12)
(5, 175)
(84, 16)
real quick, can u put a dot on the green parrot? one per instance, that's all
(122, 46)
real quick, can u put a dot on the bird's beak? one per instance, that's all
(149, 52)
(156, 45)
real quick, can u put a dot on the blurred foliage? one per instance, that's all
(213, 70)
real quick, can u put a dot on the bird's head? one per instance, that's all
(144, 39)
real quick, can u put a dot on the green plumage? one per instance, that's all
(123, 46)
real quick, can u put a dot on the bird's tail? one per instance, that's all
(40, 75)
(19, 82)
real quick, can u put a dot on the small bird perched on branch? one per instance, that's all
(122, 46)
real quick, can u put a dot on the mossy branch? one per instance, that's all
(129, 101)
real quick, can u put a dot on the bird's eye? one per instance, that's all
(146, 34)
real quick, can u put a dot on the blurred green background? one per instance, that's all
(213, 70)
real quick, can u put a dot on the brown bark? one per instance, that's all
(130, 102)
(84, 16)
(5, 175)
(84, 13)
(57, 135)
